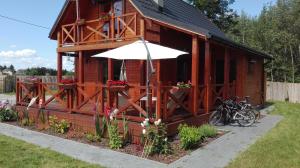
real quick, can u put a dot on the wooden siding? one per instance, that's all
(254, 83)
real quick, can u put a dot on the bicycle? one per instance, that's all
(229, 112)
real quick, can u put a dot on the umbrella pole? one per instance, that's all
(148, 76)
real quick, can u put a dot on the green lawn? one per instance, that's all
(15, 153)
(280, 148)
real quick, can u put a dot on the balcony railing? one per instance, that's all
(108, 28)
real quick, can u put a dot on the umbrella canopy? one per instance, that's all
(137, 51)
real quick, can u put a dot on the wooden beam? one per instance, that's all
(103, 45)
(207, 78)
(195, 74)
(226, 73)
(59, 67)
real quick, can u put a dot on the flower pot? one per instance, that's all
(118, 88)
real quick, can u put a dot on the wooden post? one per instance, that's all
(110, 69)
(110, 77)
(195, 74)
(112, 26)
(17, 91)
(59, 39)
(80, 75)
(59, 67)
(81, 68)
(142, 62)
(207, 77)
(226, 73)
(142, 28)
(158, 93)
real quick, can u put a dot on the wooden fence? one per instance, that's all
(7, 83)
(280, 91)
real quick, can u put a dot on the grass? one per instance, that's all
(280, 148)
(16, 153)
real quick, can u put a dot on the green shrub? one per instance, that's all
(190, 137)
(62, 126)
(8, 115)
(92, 138)
(26, 121)
(42, 116)
(156, 141)
(208, 131)
(115, 141)
(100, 130)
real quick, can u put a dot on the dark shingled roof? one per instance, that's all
(179, 14)
(187, 17)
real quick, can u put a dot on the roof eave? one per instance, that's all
(240, 46)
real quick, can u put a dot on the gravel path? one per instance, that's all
(217, 154)
(10, 98)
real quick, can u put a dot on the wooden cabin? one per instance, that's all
(215, 65)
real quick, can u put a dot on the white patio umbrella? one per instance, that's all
(143, 50)
(137, 51)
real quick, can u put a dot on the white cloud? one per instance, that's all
(18, 53)
(28, 58)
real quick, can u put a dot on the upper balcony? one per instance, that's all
(103, 30)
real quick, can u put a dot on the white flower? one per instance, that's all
(142, 124)
(144, 131)
(32, 101)
(145, 123)
(111, 117)
(115, 111)
(166, 139)
(157, 122)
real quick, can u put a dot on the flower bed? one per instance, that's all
(155, 143)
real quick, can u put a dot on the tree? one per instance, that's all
(274, 31)
(218, 11)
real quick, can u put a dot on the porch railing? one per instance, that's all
(108, 28)
(168, 102)
(86, 98)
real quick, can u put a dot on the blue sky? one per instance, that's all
(26, 46)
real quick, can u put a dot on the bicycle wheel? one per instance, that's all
(247, 118)
(215, 118)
